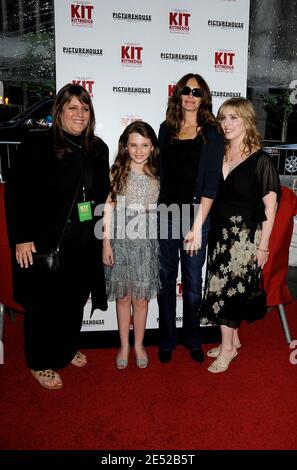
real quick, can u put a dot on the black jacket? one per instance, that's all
(38, 195)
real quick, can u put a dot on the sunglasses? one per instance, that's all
(196, 92)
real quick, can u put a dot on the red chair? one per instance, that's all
(276, 269)
(6, 301)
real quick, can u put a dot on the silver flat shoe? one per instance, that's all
(121, 363)
(141, 359)
(142, 363)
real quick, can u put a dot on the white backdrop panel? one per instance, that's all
(129, 54)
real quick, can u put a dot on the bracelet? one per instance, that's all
(264, 251)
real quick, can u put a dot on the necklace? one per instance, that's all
(234, 161)
(73, 143)
(236, 158)
(184, 132)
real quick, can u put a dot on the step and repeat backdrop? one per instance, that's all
(129, 54)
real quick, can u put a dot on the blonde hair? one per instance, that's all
(244, 109)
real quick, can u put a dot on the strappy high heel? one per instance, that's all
(221, 364)
(214, 352)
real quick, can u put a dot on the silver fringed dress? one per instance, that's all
(134, 240)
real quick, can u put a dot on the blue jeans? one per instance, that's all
(191, 268)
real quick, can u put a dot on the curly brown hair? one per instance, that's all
(121, 167)
(244, 109)
(174, 113)
(64, 96)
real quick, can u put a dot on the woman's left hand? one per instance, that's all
(262, 258)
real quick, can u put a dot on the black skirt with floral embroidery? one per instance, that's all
(230, 270)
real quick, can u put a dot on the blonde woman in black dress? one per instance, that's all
(242, 220)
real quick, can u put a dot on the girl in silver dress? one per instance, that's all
(130, 236)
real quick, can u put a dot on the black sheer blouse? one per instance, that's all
(243, 189)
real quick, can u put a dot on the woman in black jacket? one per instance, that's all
(192, 152)
(55, 170)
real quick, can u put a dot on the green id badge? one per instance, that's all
(84, 211)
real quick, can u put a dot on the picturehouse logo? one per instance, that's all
(83, 51)
(225, 94)
(179, 21)
(86, 83)
(224, 61)
(178, 57)
(131, 90)
(93, 322)
(82, 14)
(133, 17)
(225, 24)
(131, 55)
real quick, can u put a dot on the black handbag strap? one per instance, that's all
(258, 281)
(68, 215)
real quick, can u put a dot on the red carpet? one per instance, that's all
(179, 405)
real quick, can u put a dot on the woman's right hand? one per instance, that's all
(23, 253)
(192, 241)
(107, 254)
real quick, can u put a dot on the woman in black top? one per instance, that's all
(191, 159)
(242, 219)
(54, 168)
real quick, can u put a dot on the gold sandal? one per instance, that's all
(48, 378)
(214, 352)
(79, 360)
(221, 364)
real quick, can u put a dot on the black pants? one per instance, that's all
(54, 316)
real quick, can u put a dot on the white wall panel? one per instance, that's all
(211, 35)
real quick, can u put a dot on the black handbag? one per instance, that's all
(50, 261)
(256, 305)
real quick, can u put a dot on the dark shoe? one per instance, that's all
(197, 355)
(164, 356)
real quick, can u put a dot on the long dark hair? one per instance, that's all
(174, 113)
(121, 167)
(64, 96)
